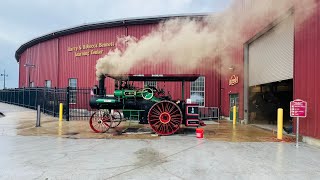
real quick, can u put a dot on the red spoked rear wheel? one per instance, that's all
(165, 117)
(100, 121)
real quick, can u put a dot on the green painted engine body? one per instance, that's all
(124, 93)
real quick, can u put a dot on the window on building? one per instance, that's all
(150, 83)
(47, 83)
(197, 93)
(73, 90)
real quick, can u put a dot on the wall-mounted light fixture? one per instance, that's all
(231, 68)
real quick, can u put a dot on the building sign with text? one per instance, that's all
(90, 49)
(298, 108)
(233, 80)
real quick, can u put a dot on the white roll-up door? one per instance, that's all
(271, 55)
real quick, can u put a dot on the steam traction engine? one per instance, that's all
(153, 105)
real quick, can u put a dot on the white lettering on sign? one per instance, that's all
(192, 111)
(157, 75)
(298, 108)
(107, 100)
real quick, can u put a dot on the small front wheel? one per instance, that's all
(116, 118)
(100, 121)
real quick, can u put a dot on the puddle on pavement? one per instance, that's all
(224, 131)
(149, 155)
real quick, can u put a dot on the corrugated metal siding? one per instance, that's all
(22, 70)
(207, 70)
(236, 61)
(306, 65)
(210, 70)
(44, 57)
(83, 68)
(49, 59)
(242, 7)
(138, 31)
(306, 72)
(55, 63)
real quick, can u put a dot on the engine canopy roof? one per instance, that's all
(154, 77)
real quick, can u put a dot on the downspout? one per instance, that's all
(58, 59)
(220, 89)
(126, 28)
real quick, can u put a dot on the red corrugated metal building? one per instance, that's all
(54, 60)
(306, 48)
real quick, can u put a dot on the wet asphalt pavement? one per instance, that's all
(46, 154)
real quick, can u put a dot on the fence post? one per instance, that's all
(68, 103)
(38, 116)
(37, 99)
(18, 96)
(54, 102)
(44, 99)
(29, 106)
(234, 115)
(14, 98)
(23, 97)
(219, 115)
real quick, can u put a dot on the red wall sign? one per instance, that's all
(298, 108)
(233, 80)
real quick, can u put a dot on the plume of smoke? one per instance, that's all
(187, 42)
(196, 98)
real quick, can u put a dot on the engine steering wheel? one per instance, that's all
(147, 93)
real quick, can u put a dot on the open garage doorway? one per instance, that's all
(269, 71)
(265, 99)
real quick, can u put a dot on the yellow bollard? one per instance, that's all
(234, 114)
(280, 123)
(61, 112)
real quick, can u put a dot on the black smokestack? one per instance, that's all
(101, 85)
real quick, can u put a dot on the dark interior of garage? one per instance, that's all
(265, 99)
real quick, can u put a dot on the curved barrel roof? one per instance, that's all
(99, 25)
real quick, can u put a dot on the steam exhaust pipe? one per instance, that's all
(102, 90)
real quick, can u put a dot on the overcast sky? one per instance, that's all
(21, 21)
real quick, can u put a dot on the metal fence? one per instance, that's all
(75, 102)
(209, 113)
(79, 108)
(48, 99)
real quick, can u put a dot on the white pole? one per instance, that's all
(297, 133)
